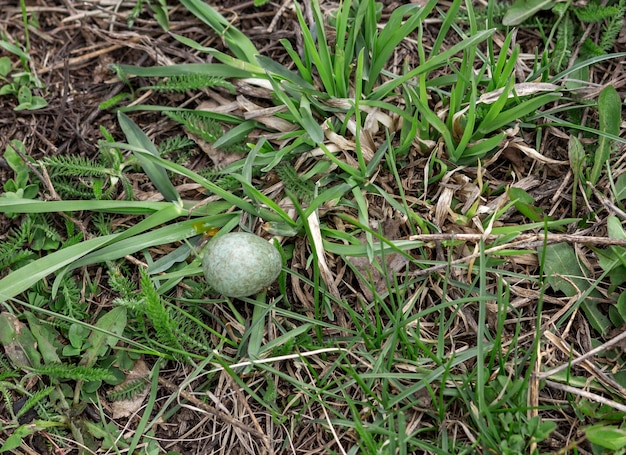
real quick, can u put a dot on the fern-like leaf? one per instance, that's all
(594, 12)
(198, 124)
(8, 373)
(154, 309)
(75, 177)
(613, 27)
(74, 372)
(69, 301)
(6, 397)
(591, 49)
(206, 128)
(224, 181)
(129, 192)
(44, 224)
(68, 189)
(34, 400)
(302, 189)
(62, 326)
(11, 250)
(564, 44)
(120, 283)
(15, 257)
(74, 165)
(127, 390)
(184, 82)
(193, 335)
(175, 144)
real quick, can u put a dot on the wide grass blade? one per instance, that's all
(122, 207)
(23, 278)
(517, 112)
(212, 187)
(234, 62)
(610, 117)
(237, 42)
(156, 173)
(521, 10)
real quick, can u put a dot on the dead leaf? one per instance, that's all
(220, 158)
(532, 153)
(314, 225)
(127, 407)
(521, 89)
(19, 344)
(393, 262)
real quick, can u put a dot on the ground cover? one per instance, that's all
(443, 181)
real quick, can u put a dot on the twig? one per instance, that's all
(279, 13)
(550, 238)
(524, 241)
(82, 59)
(586, 355)
(589, 395)
(244, 402)
(608, 205)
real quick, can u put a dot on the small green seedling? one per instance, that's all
(610, 114)
(19, 186)
(21, 85)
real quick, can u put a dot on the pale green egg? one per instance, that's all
(240, 264)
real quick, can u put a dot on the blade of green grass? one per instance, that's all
(209, 69)
(147, 410)
(233, 62)
(318, 55)
(210, 186)
(517, 112)
(432, 63)
(132, 244)
(392, 34)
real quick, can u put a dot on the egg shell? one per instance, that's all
(239, 264)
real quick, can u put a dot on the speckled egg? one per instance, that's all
(240, 264)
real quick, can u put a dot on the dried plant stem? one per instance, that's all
(589, 395)
(525, 241)
(549, 238)
(612, 342)
(212, 410)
